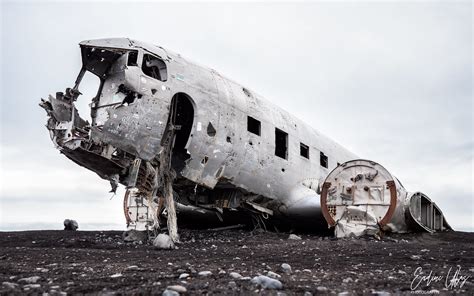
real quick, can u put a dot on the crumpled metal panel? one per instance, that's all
(137, 128)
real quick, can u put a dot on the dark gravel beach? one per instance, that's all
(224, 262)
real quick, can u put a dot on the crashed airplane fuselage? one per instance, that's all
(228, 148)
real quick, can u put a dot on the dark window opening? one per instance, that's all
(130, 95)
(211, 131)
(154, 67)
(253, 125)
(281, 143)
(132, 58)
(323, 160)
(182, 117)
(304, 150)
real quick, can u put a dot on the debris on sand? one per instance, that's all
(9, 285)
(135, 236)
(286, 268)
(70, 225)
(294, 237)
(117, 275)
(163, 241)
(29, 280)
(267, 283)
(273, 275)
(183, 276)
(170, 293)
(177, 288)
(235, 275)
(205, 273)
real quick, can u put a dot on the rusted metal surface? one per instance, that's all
(362, 197)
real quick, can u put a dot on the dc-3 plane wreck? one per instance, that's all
(184, 139)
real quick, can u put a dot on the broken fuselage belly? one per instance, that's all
(229, 150)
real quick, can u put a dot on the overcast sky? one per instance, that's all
(392, 82)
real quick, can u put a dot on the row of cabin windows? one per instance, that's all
(281, 142)
(156, 68)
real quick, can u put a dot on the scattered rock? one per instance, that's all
(235, 275)
(132, 267)
(307, 293)
(345, 293)
(117, 275)
(177, 288)
(31, 286)
(381, 293)
(70, 225)
(169, 293)
(29, 280)
(286, 268)
(273, 275)
(415, 257)
(183, 276)
(163, 241)
(267, 282)
(347, 280)
(135, 236)
(232, 285)
(322, 289)
(9, 285)
(205, 273)
(294, 237)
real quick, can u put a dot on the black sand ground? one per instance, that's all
(101, 263)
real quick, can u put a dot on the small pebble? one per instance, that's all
(267, 282)
(177, 288)
(235, 275)
(205, 273)
(183, 276)
(286, 268)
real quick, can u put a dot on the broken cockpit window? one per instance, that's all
(154, 67)
(89, 87)
(100, 60)
(132, 58)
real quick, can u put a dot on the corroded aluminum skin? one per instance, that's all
(248, 161)
(121, 135)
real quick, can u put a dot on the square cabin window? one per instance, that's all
(253, 125)
(304, 150)
(281, 143)
(323, 160)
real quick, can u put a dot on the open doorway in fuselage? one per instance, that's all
(182, 113)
